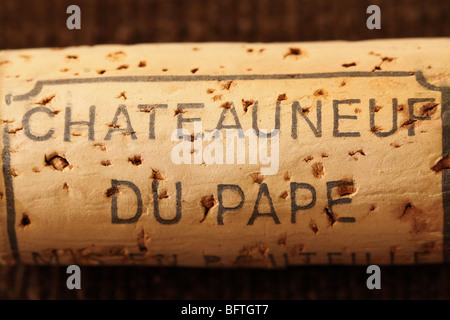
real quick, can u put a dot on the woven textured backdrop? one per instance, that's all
(42, 23)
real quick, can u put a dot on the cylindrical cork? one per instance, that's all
(226, 154)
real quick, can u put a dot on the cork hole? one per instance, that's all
(282, 97)
(331, 217)
(257, 177)
(348, 65)
(293, 52)
(408, 123)
(143, 237)
(228, 85)
(353, 153)
(226, 105)
(443, 163)
(376, 129)
(56, 161)
(428, 109)
(178, 111)
(114, 56)
(320, 92)
(308, 159)
(377, 108)
(163, 194)
(313, 227)
(305, 110)
(284, 195)
(246, 104)
(207, 202)
(282, 240)
(25, 221)
(46, 100)
(287, 176)
(101, 146)
(122, 95)
(318, 170)
(136, 160)
(346, 190)
(217, 97)
(157, 175)
(112, 191)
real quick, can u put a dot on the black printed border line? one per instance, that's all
(445, 118)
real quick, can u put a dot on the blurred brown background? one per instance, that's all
(38, 23)
(42, 23)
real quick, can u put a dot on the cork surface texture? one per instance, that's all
(419, 77)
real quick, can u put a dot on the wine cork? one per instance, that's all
(226, 154)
